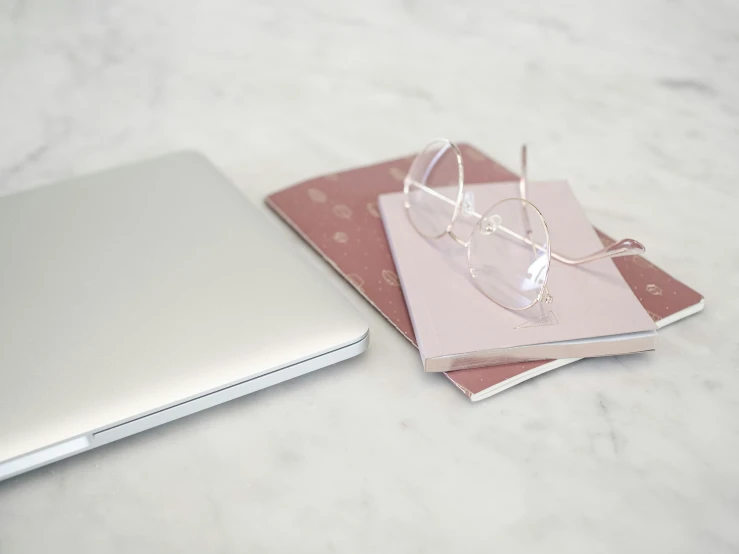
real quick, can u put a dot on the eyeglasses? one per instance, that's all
(508, 251)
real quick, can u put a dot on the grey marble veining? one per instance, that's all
(636, 102)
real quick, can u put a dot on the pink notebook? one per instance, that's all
(337, 215)
(594, 312)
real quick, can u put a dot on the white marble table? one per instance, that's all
(635, 101)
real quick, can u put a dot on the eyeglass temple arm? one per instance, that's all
(522, 193)
(624, 247)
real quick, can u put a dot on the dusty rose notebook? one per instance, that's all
(337, 215)
(594, 312)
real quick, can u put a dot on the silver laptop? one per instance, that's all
(136, 296)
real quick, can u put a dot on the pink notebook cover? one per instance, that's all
(337, 215)
(594, 312)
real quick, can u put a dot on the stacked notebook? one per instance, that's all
(457, 327)
(339, 216)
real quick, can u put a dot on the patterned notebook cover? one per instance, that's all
(337, 215)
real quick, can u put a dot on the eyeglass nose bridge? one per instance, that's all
(458, 239)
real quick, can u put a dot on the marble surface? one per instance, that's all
(636, 102)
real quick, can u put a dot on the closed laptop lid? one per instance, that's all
(140, 287)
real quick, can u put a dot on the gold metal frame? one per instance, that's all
(624, 247)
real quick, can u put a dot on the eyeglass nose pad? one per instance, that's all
(491, 224)
(468, 202)
(545, 296)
